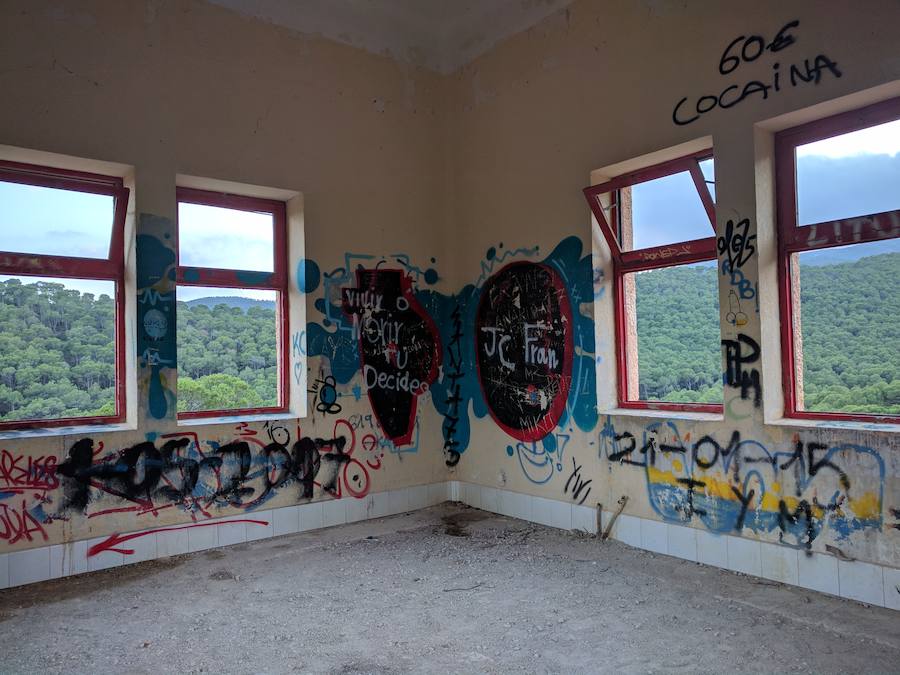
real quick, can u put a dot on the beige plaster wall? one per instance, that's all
(595, 86)
(189, 88)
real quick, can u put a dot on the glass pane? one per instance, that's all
(667, 210)
(227, 349)
(54, 222)
(854, 174)
(678, 342)
(708, 169)
(848, 322)
(212, 236)
(57, 348)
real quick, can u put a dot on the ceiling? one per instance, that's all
(439, 34)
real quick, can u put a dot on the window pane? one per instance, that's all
(708, 169)
(212, 236)
(853, 174)
(227, 349)
(850, 335)
(678, 342)
(57, 348)
(667, 210)
(54, 222)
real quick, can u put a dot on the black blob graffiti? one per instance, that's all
(399, 347)
(146, 476)
(75, 473)
(524, 346)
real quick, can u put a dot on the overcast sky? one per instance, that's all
(62, 222)
(854, 174)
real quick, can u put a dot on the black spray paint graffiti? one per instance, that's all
(580, 487)
(626, 445)
(746, 49)
(524, 349)
(147, 476)
(399, 347)
(454, 375)
(326, 395)
(736, 244)
(739, 353)
(812, 465)
(682, 482)
(803, 512)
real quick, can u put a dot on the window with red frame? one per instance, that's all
(232, 304)
(62, 270)
(659, 225)
(838, 182)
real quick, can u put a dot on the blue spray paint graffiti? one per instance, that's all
(541, 462)
(457, 393)
(798, 492)
(308, 276)
(156, 304)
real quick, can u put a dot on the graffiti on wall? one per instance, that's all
(373, 326)
(156, 261)
(576, 486)
(735, 247)
(455, 374)
(524, 351)
(494, 359)
(745, 49)
(179, 470)
(519, 337)
(23, 479)
(244, 473)
(799, 491)
(740, 355)
(515, 346)
(534, 360)
(325, 396)
(399, 347)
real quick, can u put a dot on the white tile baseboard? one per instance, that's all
(34, 565)
(864, 582)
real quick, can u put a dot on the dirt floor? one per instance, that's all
(447, 589)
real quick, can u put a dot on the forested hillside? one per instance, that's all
(57, 354)
(849, 329)
(678, 335)
(226, 356)
(851, 335)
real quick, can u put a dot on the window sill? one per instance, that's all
(74, 430)
(833, 424)
(233, 419)
(665, 414)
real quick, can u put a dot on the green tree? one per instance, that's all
(216, 392)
